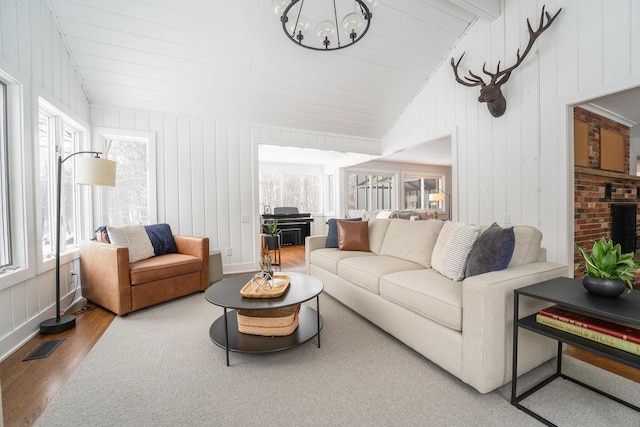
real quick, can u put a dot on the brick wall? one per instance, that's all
(592, 216)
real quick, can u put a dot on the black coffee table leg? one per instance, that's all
(226, 334)
(318, 313)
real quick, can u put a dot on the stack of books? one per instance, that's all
(620, 336)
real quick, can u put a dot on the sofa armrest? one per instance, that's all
(487, 321)
(197, 247)
(104, 275)
(311, 243)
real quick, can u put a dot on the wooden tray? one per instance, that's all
(282, 283)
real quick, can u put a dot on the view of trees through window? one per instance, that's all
(291, 190)
(128, 201)
(53, 144)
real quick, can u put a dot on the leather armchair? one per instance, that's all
(109, 280)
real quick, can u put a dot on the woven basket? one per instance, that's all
(277, 322)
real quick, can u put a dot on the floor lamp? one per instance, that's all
(88, 171)
(439, 197)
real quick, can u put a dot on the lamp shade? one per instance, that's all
(95, 171)
(436, 197)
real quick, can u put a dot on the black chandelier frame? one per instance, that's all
(353, 36)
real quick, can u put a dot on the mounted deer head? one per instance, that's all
(491, 93)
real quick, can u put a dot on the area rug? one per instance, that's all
(158, 367)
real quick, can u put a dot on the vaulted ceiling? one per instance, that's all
(231, 60)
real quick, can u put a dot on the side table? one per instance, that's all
(571, 294)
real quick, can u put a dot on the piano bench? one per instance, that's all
(297, 234)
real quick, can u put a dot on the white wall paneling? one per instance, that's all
(517, 164)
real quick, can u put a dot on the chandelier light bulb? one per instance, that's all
(326, 32)
(299, 27)
(353, 24)
(279, 6)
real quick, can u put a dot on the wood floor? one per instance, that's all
(28, 387)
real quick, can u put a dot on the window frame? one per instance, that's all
(19, 174)
(443, 206)
(393, 190)
(81, 195)
(5, 194)
(101, 135)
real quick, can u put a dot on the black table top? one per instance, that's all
(570, 293)
(226, 293)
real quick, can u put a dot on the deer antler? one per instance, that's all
(533, 35)
(471, 81)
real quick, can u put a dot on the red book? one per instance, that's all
(624, 332)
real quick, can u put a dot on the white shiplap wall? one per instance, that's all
(33, 55)
(207, 174)
(518, 164)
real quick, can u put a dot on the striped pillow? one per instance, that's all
(452, 249)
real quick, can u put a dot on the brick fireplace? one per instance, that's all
(605, 201)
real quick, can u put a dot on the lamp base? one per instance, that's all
(54, 326)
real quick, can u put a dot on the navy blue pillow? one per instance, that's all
(492, 251)
(161, 239)
(332, 234)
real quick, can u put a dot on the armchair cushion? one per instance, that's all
(158, 268)
(135, 238)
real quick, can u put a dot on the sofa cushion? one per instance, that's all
(161, 238)
(332, 231)
(527, 247)
(353, 236)
(328, 258)
(452, 248)
(411, 240)
(377, 230)
(426, 292)
(366, 271)
(163, 267)
(492, 251)
(135, 238)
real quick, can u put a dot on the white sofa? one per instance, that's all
(463, 326)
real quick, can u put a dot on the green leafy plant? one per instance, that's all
(608, 262)
(271, 228)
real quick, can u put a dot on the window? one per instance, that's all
(5, 226)
(132, 200)
(370, 191)
(58, 136)
(417, 188)
(291, 190)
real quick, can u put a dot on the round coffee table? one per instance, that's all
(226, 294)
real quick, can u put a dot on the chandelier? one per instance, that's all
(329, 34)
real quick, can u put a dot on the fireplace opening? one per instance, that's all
(623, 226)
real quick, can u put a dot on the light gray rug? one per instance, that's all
(158, 367)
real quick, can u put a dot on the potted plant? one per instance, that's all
(271, 241)
(608, 272)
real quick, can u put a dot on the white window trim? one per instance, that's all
(100, 135)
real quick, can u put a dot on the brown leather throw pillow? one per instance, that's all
(353, 236)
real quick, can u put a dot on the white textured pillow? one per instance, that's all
(452, 249)
(135, 238)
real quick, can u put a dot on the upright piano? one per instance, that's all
(289, 220)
